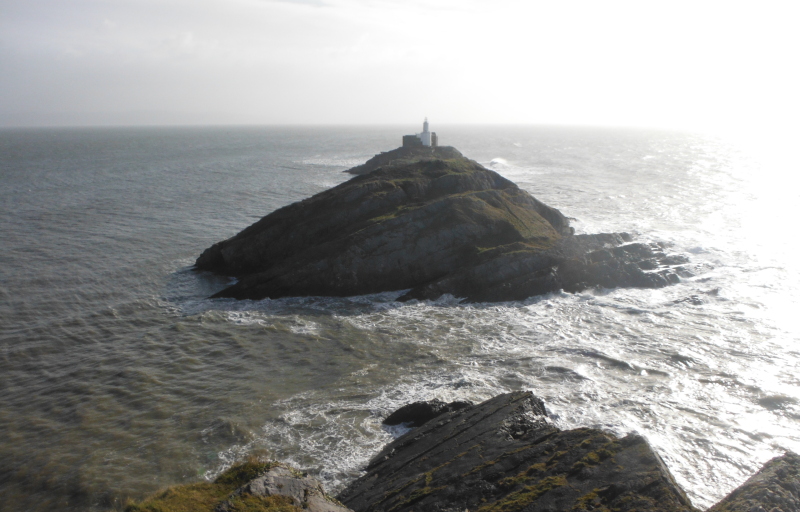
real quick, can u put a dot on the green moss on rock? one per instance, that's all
(524, 497)
(242, 473)
(205, 496)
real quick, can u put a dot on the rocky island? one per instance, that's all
(429, 221)
(503, 455)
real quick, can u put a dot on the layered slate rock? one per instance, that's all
(504, 455)
(775, 488)
(432, 224)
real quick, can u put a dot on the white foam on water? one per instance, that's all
(610, 359)
(343, 162)
(244, 318)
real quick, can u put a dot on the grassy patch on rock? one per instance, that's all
(205, 496)
(520, 499)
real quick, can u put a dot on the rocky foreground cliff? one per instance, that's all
(502, 455)
(431, 223)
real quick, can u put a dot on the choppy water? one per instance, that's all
(118, 376)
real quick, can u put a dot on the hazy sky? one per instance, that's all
(680, 64)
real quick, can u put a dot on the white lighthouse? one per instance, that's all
(425, 136)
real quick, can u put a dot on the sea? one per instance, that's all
(120, 377)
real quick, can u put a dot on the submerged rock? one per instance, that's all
(504, 455)
(432, 222)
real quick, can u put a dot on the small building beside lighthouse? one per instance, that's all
(426, 138)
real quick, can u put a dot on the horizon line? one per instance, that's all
(345, 125)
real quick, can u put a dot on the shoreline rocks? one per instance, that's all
(432, 222)
(502, 455)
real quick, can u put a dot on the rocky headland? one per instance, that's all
(503, 455)
(431, 222)
(405, 155)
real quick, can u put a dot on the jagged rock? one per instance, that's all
(775, 488)
(433, 223)
(573, 264)
(419, 413)
(504, 455)
(622, 266)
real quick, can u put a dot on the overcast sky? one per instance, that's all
(695, 64)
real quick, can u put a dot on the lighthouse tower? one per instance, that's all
(425, 136)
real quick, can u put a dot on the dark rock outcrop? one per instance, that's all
(433, 223)
(419, 413)
(775, 488)
(503, 455)
(573, 264)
